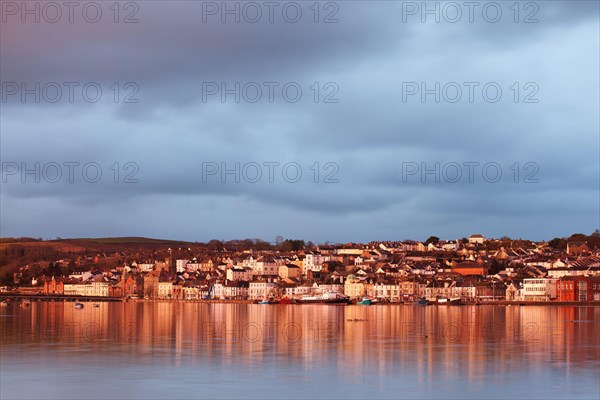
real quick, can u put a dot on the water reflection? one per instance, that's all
(240, 350)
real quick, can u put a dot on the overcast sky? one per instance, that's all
(367, 130)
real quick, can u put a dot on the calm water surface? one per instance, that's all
(189, 350)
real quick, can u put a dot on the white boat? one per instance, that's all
(78, 305)
(330, 297)
(447, 301)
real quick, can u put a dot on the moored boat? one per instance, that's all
(330, 297)
(3, 303)
(448, 302)
(78, 305)
(422, 301)
(25, 303)
(365, 301)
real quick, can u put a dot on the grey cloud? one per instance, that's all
(369, 133)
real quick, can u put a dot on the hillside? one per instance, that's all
(124, 240)
(17, 252)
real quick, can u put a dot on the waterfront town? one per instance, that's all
(471, 269)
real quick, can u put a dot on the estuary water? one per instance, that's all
(170, 350)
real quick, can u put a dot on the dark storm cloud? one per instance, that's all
(369, 133)
(172, 50)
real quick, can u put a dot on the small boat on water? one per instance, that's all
(25, 303)
(422, 301)
(96, 305)
(448, 302)
(3, 303)
(365, 301)
(330, 297)
(264, 301)
(78, 305)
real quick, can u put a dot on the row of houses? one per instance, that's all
(160, 286)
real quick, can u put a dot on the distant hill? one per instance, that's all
(19, 240)
(124, 240)
(110, 240)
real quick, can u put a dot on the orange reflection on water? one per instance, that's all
(388, 339)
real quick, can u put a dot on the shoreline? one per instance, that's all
(69, 299)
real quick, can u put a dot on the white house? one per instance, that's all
(144, 267)
(387, 291)
(238, 273)
(560, 272)
(165, 290)
(298, 291)
(232, 290)
(433, 247)
(74, 289)
(450, 246)
(81, 276)
(191, 293)
(349, 252)
(193, 266)
(259, 290)
(467, 292)
(180, 265)
(97, 288)
(476, 239)
(313, 261)
(266, 266)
